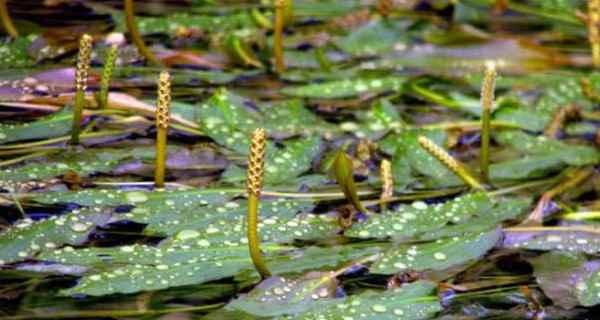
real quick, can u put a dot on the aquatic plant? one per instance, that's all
(452, 164)
(163, 105)
(254, 180)
(107, 71)
(81, 78)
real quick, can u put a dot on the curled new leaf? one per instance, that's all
(342, 170)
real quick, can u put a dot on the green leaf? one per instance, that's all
(284, 164)
(419, 217)
(83, 163)
(575, 238)
(438, 255)
(157, 200)
(588, 289)
(54, 125)
(346, 88)
(406, 149)
(560, 276)
(343, 173)
(279, 296)
(149, 268)
(172, 22)
(413, 301)
(290, 117)
(27, 237)
(14, 53)
(167, 217)
(379, 36)
(540, 156)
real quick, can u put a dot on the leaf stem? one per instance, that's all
(7, 22)
(135, 33)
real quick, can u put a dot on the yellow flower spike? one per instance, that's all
(81, 76)
(135, 33)
(162, 125)
(487, 103)
(278, 35)
(7, 22)
(452, 164)
(593, 22)
(107, 71)
(387, 189)
(256, 164)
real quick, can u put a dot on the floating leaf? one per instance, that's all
(27, 237)
(54, 125)
(574, 239)
(159, 199)
(410, 302)
(279, 296)
(438, 255)
(172, 22)
(13, 54)
(284, 164)
(562, 277)
(149, 268)
(588, 288)
(406, 149)
(167, 217)
(346, 88)
(419, 217)
(540, 156)
(379, 36)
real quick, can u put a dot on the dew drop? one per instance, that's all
(439, 256)
(379, 308)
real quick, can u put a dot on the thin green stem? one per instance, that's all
(135, 33)
(253, 239)
(161, 157)
(77, 115)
